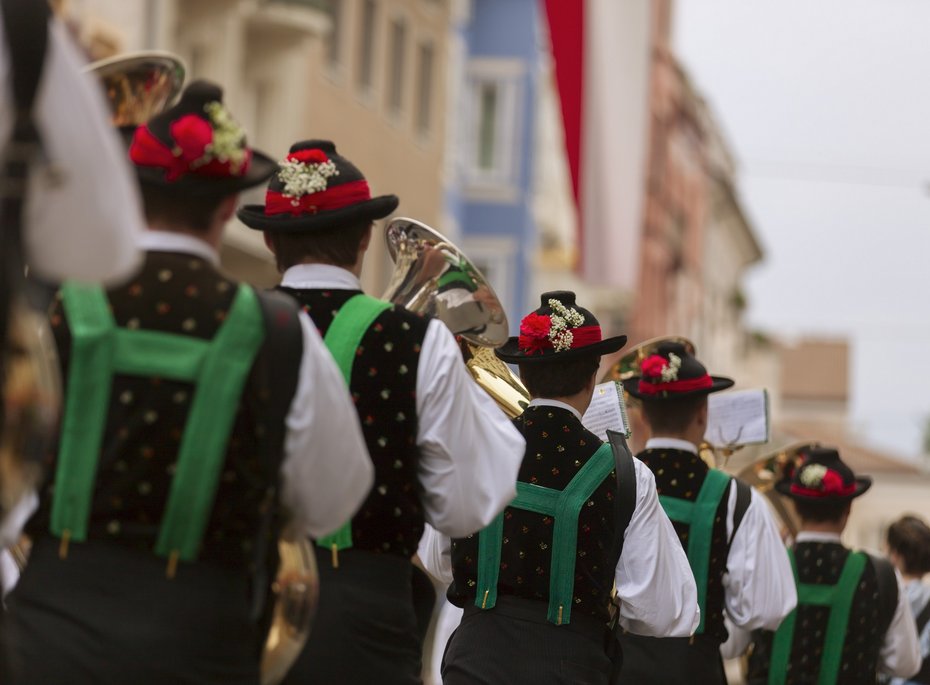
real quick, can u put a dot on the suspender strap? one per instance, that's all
(699, 515)
(838, 598)
(564, 506)
(342, 339)
(218, 368)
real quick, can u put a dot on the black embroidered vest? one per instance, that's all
(180, 294)
(557, 446)
(384, 384)
(681, 474)
(822, 563)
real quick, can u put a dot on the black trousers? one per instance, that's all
(514, 644)
(107, 615)
(671, 661)
(368, 626)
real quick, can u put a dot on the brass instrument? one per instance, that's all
(138, 86)
(773, 468)
(432, 276)
(627, 367)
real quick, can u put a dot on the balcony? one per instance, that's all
(297, 16)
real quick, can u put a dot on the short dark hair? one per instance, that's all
(559, 378)
(337, 246)
(672, 416)
(821, 511)
(165, 206)
(909, 538)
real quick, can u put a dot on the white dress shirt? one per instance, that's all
(900, 651)
(759, 586)
(470, 452)
(655, 587)
(326, 472)
(85, 227)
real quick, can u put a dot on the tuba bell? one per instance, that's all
(433, 277)
(764, 473)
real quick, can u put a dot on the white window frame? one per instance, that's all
(501, 182)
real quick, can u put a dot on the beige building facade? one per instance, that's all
(368, 74)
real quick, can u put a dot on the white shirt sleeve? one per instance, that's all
(326, 471)
(655, 586)
(900, 652)
(759, 586)
(435, 552)
(86, 226)
(470, 452)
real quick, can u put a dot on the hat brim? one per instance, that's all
(261, 168)
(863, 483)
(254, 216)
(510, 351)
(631, 385)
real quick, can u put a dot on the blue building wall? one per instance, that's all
(505, 31)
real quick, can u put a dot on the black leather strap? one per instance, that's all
(887, 591)
(743, 498)
(626, 486)
(275, 376)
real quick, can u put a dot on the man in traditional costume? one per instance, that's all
(853, 618)
(443, 451)
(194, 408)
(536, 584)
(738, 559)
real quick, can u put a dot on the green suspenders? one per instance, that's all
(838, 598)
(342, 339)
(562, 505)
(699, 515)
(218, 368)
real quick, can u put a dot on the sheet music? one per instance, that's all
(607, 411)
(735, 418)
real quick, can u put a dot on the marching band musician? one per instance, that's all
(738, 559)
(536, 585)
(853, 617)
(443, 451)
(188, 398)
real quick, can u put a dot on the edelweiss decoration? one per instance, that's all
(812, 476)
(228, 144)
(306, 172)
(561, 322)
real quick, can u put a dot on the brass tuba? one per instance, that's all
(432, 276)
(138, 86)
(773, 468)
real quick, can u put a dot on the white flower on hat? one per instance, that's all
(670, 372)
(228, 144)
(301, 178)
(563, 318)
(812, 475)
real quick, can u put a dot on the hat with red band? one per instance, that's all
(823, 477)
(316, 188)
(671, 373)
(558, 330)
(196, 148)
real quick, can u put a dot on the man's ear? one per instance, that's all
(268, 242)
(701, 416)
(227, 207)
(366, 239)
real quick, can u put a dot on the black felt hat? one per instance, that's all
(673, 372)
(823, 477)
(558, 330)
(197, 148)
(316, 188)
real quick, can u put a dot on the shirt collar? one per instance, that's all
(185, 243)
(817, 536)
(670, 444)
(541, 402)
(317, 276)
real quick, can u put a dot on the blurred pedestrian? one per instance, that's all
(908, 542)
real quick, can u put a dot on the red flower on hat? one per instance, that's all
(534, 332)
(832, 483)
(191, 136)
(308, 156)
(653, 366)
